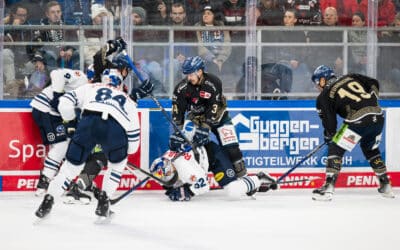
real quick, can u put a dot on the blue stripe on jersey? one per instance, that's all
(43, 99)
(133, 135)
(250, 183)
(115, 177)
(72, 97)
(51, 164)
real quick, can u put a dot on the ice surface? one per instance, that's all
(356, 219)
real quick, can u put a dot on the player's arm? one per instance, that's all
(179, 105)
(327, 114)
(215, 110)
(133, 133)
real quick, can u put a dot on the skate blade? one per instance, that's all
(37, 220)
(102, 220)
(71, 201)
(326, 197)
(389, 195)
(40, 192)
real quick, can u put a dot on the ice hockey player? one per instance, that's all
(109, 118)
(103, 62)
(199, 98)
(354, 97)
(187, 176)
(54, 132)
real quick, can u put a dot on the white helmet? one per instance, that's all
(112, 77)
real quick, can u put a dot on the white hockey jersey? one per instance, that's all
(109, 101)
(62, 80)
(190, 171)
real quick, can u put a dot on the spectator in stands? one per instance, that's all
(178, 18)
(148, 58)
(114, 7)
(386, 11)
(308, 11)
(233, 12)
(276, 78)
(157, 11)
(388, 60)
(15, 57)
(271, 12)
(57, 56)
(195, 8)
(358, 54)
(99, 13)
(216, 49)
(327, 55)
(39, 78)
(76, 12)
(36, 9)
(292, 57)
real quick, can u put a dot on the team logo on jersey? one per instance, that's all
(230, 173)
(195, 100)
(51, 137)
(205, 95)
(77, 73)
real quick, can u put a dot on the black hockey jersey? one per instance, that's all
(353, 97)
(204, 101)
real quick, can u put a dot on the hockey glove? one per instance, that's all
(177, 143)
(202, 136)
(144, 90)
(111, 47)
(55, 101)
(116, 45)
(121, 44)
(181, 193)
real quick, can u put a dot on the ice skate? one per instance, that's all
(325, 193)
(385, 189)
(45, 207)
(267, 183)
(42, 185)
(76, 196)
(103, 209)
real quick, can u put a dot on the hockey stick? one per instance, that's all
(116, 200)
(150, 175)
(315, 150)
(137, 73)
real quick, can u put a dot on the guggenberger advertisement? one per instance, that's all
(272, 139)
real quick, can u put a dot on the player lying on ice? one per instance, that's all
(187, 175)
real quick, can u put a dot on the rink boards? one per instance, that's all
(274, 136)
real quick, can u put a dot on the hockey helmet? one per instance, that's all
(164, 169)
(192, 64)
(112, 77)
(320, 72)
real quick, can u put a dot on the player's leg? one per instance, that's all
(78, 151)
(115, 148)
(224, 174)
(333, 167)
(227, 138)
(77, 193)
(370, 148)
(52, 132)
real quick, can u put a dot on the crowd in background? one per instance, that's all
(284, 69)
